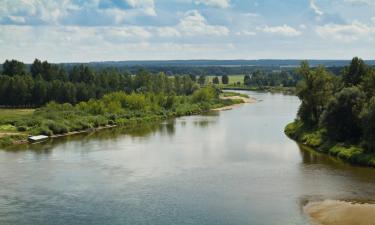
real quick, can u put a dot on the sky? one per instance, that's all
(117, 30)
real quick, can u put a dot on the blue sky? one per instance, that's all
(97, 30)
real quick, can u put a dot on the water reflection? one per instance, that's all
(230, 167)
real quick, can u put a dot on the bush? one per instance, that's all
(21, 128)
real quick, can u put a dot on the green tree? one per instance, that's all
(13, 68)
(368, 125)
(354, 73)
(215, 80)
(313, 90)
(225, 79)
(341, 117)
(202, 80)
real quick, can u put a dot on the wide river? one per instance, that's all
(229, 167)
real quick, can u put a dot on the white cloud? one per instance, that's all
(52, 12)
(147, 5)
(283, 30)
(44, 10)
(194, 24)
(251, 14)
(315, 8)
(168, 32)
(214, 3)
(246, 33)
(17, 19)
(346, 32)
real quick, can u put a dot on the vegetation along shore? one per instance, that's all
(337, 113)
(136, 99)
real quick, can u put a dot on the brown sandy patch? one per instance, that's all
(229, 107)
(332, 212)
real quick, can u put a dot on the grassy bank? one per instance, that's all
(117, 108)
(315, 138)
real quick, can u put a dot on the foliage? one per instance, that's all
(345, 109)
(225, 79)
(314, 91)
(341, 116)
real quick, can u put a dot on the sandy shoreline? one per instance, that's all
(229, 107)
(333, 212)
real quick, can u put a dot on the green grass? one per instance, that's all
(233, 79)
(231, 94)
(6, 114)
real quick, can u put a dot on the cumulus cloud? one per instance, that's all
(214, 3)
(194, 24)
(283, 30)
(54, 12)
(346, 32)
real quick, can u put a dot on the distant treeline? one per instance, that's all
(34, 85)
(44, 82)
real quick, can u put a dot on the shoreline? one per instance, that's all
(230, 107)
(336, 212)
(353, 155)
(20, 141)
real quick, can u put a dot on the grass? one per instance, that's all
(6, 114)
(314, 138)
(233, 79)
(231, 94)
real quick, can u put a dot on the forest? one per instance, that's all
(337, 113)
(35, 85)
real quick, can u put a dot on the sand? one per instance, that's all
(333, 212)
(229, 107)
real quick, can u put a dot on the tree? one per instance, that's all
(368, 125)
(13, 68)
(354, 73)
(341, 117)
(313, 90)
(202, 80)
(247, 80)
(225, 79)
(215, 80)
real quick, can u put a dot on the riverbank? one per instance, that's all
(332, 212)
(118, 109)
(353, 154)
(244, 100)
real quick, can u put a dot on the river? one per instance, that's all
(229, 167)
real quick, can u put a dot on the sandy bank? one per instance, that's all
(332, 212)
(229, 107)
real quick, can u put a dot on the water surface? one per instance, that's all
(230, 167)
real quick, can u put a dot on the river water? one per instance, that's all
(229, 167)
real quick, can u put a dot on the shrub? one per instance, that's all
(21, 128)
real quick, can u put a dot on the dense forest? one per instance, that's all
(337, 113)
(45, 82)
(41, 82)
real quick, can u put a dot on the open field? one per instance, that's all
(14, 113)
(232, 78)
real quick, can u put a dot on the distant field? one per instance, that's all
(14, 113)
(232, 78)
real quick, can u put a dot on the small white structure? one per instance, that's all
(38, 138)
